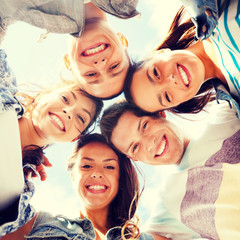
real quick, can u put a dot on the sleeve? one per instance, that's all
(205, 24)
(8, 87)
(10, 159)
(162, 222)
(222, 112)
(24, 212)
(119, 8)
(65, 16)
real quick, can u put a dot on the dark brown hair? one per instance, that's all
(112, 114)
(180, 36)
(123, 207)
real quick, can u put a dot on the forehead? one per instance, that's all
(97, 151)
(125, 130)
(144, 92)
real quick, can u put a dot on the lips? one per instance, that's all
(97, 188)
(184, 75)
(162, 147)
(93, 50)
(57, 121)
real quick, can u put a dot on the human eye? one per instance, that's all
(86, 166)
(115, 65)
(91, 74)
(81, 118)
(167, 97)
(65, 99)
(110, 167)
(134, 148)
(145, 124)
(156, 73)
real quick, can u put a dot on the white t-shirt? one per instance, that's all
(192, 202)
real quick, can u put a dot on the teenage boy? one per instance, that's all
(201, 198)
(97, 55)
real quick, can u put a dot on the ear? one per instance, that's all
(123, 39)
(67, 62)
(162, 114)
(133, 159)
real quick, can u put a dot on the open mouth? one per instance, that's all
(57, 122)
(184, 75)
(94, 49)
(97, 188)
(162, 147)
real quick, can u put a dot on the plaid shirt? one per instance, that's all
(8, 87)
(65, 16)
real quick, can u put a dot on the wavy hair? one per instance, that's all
(123, 207)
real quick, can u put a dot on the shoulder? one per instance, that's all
(118, 8)
(49, 226)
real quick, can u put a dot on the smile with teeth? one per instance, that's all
(94, 50)
(97, 187)
(183, 75)
(57, 121)
(162, 147)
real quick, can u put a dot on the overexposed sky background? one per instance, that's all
(42, 62)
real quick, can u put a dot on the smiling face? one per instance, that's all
(96, 175)
(149, 140)
(167, 79)
(98, 60)
(62, 115)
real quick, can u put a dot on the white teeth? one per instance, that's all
(96, 187)
(95, 50)
(57, 121)
(162, 147)
(183, 75)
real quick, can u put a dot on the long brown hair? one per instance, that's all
(181, 35)
(123, 207)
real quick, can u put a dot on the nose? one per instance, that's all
(149, 143)
(97, 174)
(172, 79)
(68, 112)
(100, 63)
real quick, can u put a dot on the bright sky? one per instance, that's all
(42, 63)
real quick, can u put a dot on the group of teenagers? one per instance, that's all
(194, 68)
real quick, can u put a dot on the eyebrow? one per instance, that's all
(105, 160)
(88, 113)
(149, 77)
(117, 73)
(94, 82)
(74, 95)
(112, 75)
(160, 100)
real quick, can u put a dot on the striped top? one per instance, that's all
(201, 199)
(226, 40)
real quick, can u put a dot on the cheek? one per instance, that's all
(115, 184)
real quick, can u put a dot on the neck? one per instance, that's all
(99, 219)
(91, 11)
(29, 134)
(205, 51)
